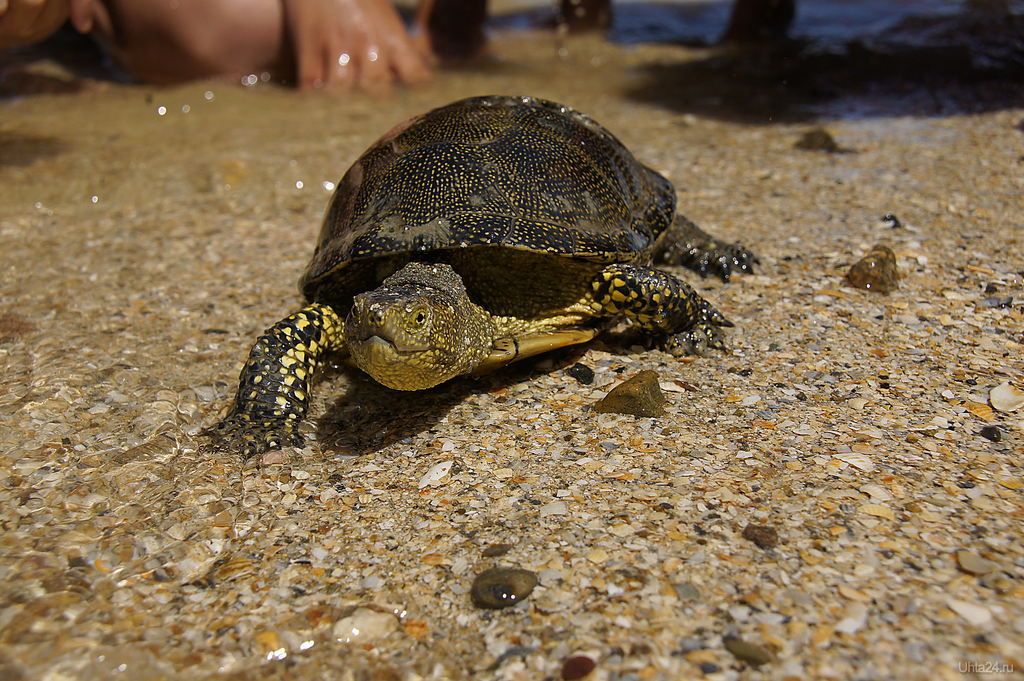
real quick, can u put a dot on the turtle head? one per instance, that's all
(418, 329)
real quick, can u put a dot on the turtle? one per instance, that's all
(474, 235)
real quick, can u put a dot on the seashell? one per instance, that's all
(859, 461)
(878, 511)
(1005, 397)
(974, 564)
(435, 475)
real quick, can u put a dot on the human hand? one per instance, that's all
(351, 43)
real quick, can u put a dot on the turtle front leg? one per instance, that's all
(688, 245)
(273, 388)
(662, 305)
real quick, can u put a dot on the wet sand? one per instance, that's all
(149, 235)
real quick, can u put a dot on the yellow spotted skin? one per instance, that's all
(661, 305)
(474, 235)
(274, 385)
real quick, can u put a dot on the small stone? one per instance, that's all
(819, 139)
(577, 666)
(1005, 397)
(582, 373)
(747, 652)
(974, 564)
(708, 667)
(639, 396)
(495, 550)
(991, 433)
(502, 587)
(876, 271)
(764, 536)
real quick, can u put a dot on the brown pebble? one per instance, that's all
(764, 536)
(577, 666)
(747, 652)
(876, 271)
(501, 587)
(494, 550)
(819, 139)
(639, 396)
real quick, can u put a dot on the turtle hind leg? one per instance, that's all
(662, 305)
(273, 387)
(688, 245)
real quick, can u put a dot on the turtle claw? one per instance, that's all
(249, 437)
(696, 341)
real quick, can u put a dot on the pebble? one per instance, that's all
(819, 139)
(502, 587)
(747, 652)
(876, 271)
(991, 433)
(1006, 398)
(639, 396)
(582, 373)
(495, 550)
(577, 666)
(764, 536)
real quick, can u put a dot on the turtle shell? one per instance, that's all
(508, 172)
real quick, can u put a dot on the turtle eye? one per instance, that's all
(419, 318)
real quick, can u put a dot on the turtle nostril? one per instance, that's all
(376, 315)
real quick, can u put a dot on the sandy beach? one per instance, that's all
(149, 235)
